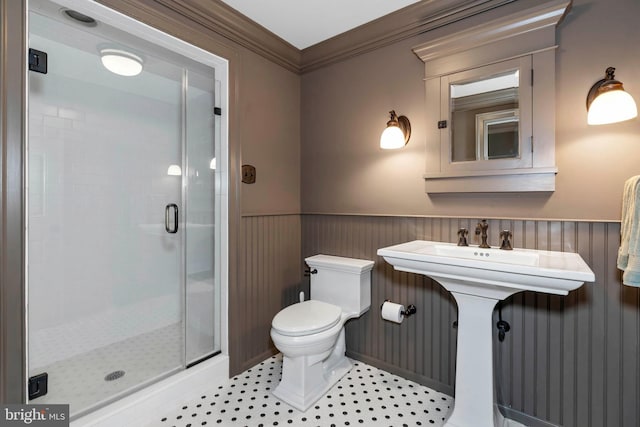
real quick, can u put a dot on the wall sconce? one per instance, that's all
(607, 102)
(397, 133)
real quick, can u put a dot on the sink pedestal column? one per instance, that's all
(475, 393)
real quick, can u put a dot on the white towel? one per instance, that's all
(629, 252)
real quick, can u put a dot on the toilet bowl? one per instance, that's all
(310, 334)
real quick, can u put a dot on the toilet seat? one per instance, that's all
(306, 318)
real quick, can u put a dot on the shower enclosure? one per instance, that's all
(124, 207)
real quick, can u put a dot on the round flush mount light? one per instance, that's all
(121, 62)
(174, 170)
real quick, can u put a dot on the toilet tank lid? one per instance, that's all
(351, 265)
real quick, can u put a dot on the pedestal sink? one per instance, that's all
(478, 279)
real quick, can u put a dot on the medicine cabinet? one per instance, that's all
(490, 102)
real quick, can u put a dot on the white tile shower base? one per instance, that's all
(366, 396)
(80, 380)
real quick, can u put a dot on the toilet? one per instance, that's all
(310, 334)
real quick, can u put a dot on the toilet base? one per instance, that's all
(306, 379)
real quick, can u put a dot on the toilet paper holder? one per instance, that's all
(411, 309)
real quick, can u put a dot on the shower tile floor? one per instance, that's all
(365, 396)
(81, 380)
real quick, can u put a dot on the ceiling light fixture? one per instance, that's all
(174, 170)
(121, 62)
(397, 133)
(607, 102)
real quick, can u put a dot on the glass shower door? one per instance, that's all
(106, 205)
(201, 207)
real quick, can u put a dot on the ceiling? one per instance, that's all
(304, 23)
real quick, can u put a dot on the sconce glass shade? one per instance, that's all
(174, 170)
(121, 62)
(397, 133)
(392, 138)
(607, 102)
(212, 164)
(612, 107)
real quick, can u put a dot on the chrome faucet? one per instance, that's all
(482, 228)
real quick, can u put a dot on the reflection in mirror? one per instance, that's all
(485, 118)
(497, 134)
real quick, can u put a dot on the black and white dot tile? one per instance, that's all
(366, 396)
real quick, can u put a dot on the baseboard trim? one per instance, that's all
(523, 418)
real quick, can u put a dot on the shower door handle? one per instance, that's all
(167, 218)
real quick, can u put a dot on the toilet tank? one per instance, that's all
(345, 282)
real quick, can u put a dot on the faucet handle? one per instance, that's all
(481, 230)
(462, 237)
(505, 244)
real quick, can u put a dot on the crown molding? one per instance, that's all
(410, 21)
(229, 23)
(540, 17)
(221, 19)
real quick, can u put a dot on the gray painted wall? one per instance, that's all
(345, 108)
(269, 279)
(13, 349)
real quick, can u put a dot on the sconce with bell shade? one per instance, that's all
(397, 133)
(607, 102)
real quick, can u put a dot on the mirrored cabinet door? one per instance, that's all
(488, 115)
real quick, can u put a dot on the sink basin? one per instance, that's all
(478, 279)
(517, 256)
(495, 273)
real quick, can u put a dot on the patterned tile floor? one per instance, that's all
(366, 396)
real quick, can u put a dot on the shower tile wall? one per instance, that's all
(572, 361)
